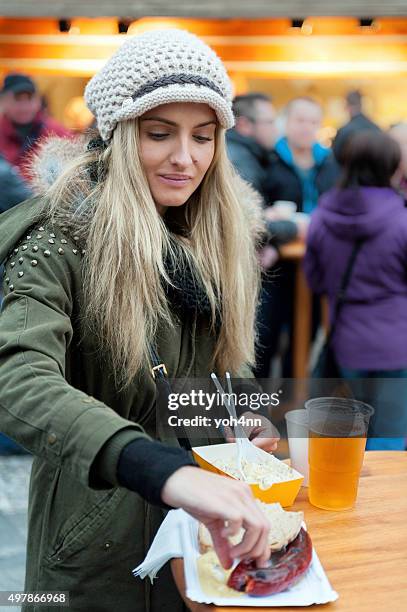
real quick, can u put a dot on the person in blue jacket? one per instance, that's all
(299, 171)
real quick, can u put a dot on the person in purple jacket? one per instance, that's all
(370, 338)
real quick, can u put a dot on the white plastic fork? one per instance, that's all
(246, 451)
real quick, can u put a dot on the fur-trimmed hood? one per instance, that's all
(51, 158)
(48, 164)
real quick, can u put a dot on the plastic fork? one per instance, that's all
(246, 451)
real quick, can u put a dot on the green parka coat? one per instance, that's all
(59, 401)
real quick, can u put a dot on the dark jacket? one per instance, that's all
(284, 181)
(371, 333)
(358, 123)
(251, 161)
(12, 187)
(59, 400)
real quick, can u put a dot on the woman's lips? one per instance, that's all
(174, 180)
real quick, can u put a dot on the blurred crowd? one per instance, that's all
(348, 205)
(329, 199)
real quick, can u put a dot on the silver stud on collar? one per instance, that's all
(47, 253)
(34, 262)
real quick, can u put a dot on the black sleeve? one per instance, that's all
(145, 465)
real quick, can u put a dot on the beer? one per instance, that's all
(337, 440)
(334, 468)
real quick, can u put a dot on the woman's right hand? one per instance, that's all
(223, 505)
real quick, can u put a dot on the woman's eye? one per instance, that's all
(203, 138)
(157, 135)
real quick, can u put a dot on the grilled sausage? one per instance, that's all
(285, 568)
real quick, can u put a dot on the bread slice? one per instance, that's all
(284, 528)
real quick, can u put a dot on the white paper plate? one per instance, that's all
(313, 588)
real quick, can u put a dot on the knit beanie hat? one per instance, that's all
(154, 68)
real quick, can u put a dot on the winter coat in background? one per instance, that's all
(251, 161)
(13, 189)
(371, 332)
(285, 182)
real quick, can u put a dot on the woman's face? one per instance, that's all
(177, 145)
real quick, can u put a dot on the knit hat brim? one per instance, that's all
(174, 93)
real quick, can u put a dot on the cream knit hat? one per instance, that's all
(154, 68)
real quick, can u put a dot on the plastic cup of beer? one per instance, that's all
(337, 429)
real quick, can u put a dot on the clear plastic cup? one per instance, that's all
(297, 433)
(337, 429)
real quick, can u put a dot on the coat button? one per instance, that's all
(107, 545)
(52, 438)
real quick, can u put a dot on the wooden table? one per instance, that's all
(295, 251)
(363, 550)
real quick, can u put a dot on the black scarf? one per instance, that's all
(187, 291)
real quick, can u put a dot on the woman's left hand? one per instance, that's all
(263, 435)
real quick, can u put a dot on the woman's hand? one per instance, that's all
(224, 505)
(265, 435)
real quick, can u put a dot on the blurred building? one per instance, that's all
(285, 56)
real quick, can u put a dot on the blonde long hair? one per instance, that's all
(127, 243)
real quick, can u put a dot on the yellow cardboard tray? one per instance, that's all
(283, 492)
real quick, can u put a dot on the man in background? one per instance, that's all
(251, 140)
(23, 122)
(249, 145)
(300, 170)
(358, 121)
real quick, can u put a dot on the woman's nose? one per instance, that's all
(182, 154)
